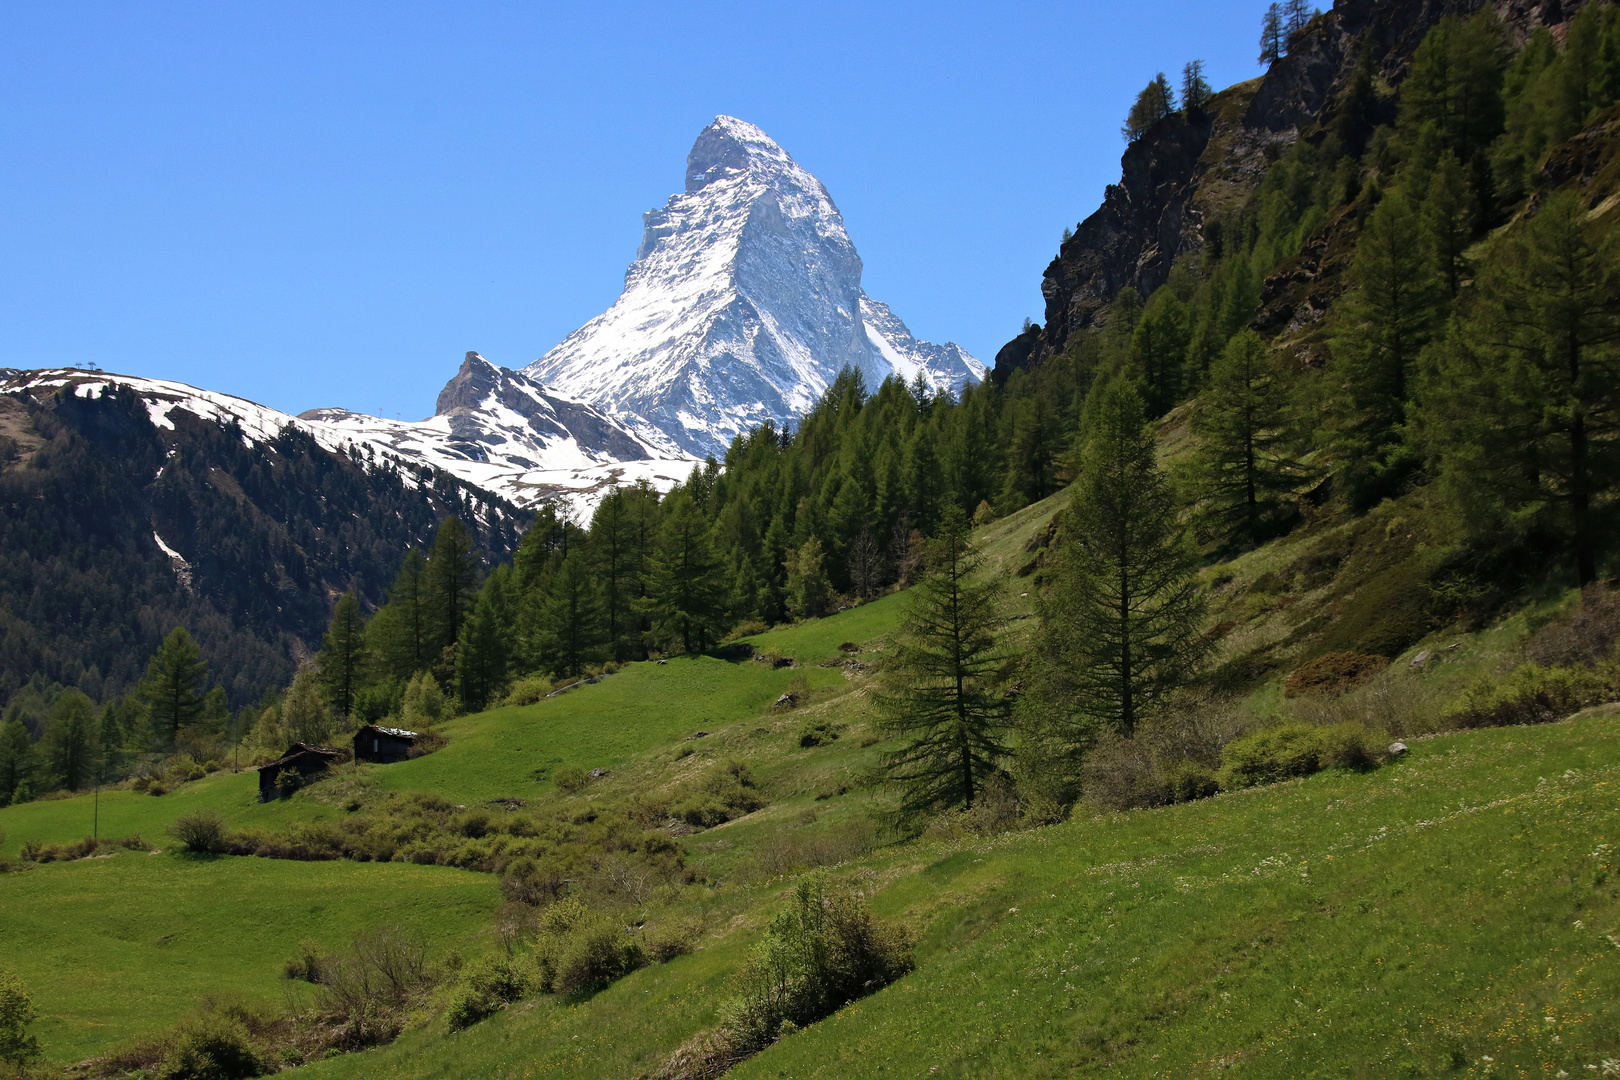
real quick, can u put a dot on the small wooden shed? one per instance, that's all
(374, 743)
(302, 758)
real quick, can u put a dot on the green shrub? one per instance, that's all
(572, 779)
(486, 989)
(528, 690)
(725, 793)
(202, 832)
(1350, 746)
(599, 951)
(1531, 694)
(211, 1047)
(1188, 780)
(1274, 754)
(533, 881)
(824, 950)
(819, 733)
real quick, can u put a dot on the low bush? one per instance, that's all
(202, 832)
(599, 951)
(823, 951)
(1273, 754)
(212, 1047)
(1585, 635)
(726, 793)
(485, 989)
(1292, 749)
(528, 690)
(572, 779)
(818, 733)
(1531, 694)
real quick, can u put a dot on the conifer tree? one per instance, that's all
(1271, 35)
(685, 591)
(344, 659)
(482, 655)
(1295, 15)
(452, 580)
(16, 762)
(1033, 452)
(1383, 323)
(1154, 103)
(1243, 468)
(808, 590)
(1158, 351)
(400, 633)
(1449, 213)
(1120, 624)
(944, 698)
(573, 617)
(172, 688)
(1195, 89)
(72, 743)
(1523, 405)
(614, 559)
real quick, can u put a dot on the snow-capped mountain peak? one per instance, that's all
(743, 303)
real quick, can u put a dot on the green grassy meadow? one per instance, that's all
(115, 947)
(1451, 908)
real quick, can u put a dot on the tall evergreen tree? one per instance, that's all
(1195, 89)
(16, 762)
(1449, 213)
(401, 632)
(1524, 403)
(1243, 467)
(1154, 103)
(944, 698)
(1120, 624)
(72, 743)
(344, 659)
(1033, 452)
(452, 580)
(686, 591)
(573, 617)
(809, 593)
(1271, 35)
(1295, 14)
(482, 656)
(616, 564)
(172, 690)
(1158, 351)
(1383, 323)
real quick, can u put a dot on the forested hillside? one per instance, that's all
(113, 531)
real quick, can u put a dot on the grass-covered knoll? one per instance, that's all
(1411, 921)
(118, 947)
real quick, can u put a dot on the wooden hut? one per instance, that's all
(306, 760)
(373, 743)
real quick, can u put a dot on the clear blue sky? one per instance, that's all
(327, 203)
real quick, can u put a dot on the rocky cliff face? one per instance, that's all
(742, 305)
(1186, 170)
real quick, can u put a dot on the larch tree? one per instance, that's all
(1155, 102)
(686, 591)
(482, 654)
(344, 658)
(572, 620)
(1383, 323)
(1121, 621)
(1195, 88)
(1271, 35)
(172, 689)
(452, 579)
(1523, 403)
(944, 699)
(1243, 467)
(400, 633)
(72, 741)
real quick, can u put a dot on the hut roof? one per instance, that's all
(398, 733)
(297, 750)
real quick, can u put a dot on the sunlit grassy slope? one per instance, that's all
(119, 946)
(1451, 908)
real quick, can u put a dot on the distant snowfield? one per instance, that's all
(560, 470)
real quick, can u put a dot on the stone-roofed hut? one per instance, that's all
(385, 744)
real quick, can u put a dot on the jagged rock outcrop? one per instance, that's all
(1185, 171)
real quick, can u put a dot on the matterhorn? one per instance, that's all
(742, 305)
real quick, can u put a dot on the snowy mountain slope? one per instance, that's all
(496, 430)
(743, 303)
